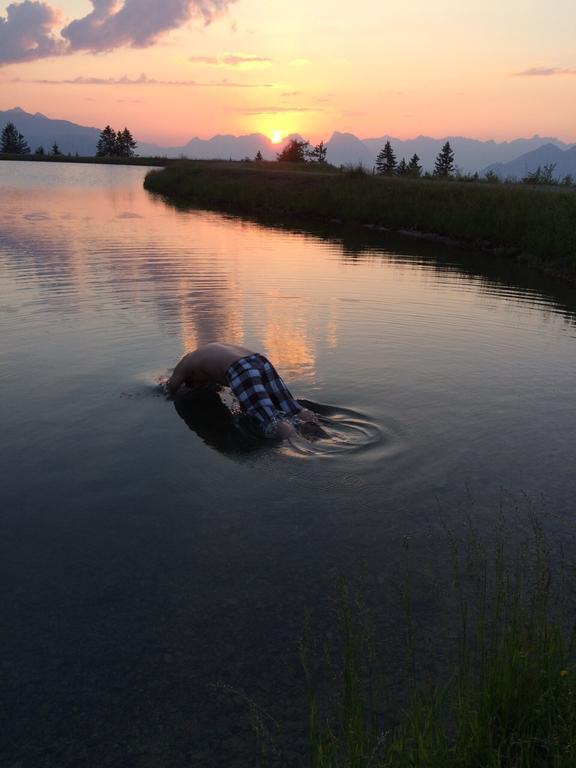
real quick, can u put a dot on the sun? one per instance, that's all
(276, 137)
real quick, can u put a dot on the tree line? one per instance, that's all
(121, 144)
(111, 143)
(387, 164)
(297, 151)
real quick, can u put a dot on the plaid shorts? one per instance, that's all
(261, 393)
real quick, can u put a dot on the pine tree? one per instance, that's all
(403, 168)
(294, 152)
(386, 160)
(258, 157)
(414, 167)
(444, 165)
(39, 151)
(55, 150)
(106, 146)
(125, 144)
(318, 154)
(12, 142)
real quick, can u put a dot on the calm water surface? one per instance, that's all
(144, 557)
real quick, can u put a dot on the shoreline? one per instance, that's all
(535, 226)
(159, 162)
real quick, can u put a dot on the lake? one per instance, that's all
(156, 573)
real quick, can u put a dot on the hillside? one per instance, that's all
(40, 130)
(564, 162)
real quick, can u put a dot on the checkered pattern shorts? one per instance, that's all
(261, 392)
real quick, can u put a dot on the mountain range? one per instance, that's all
(507, 158)
(561, 162)
(39, 130)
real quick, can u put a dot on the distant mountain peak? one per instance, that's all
(562, 162)
(344, 135)
(344, 148)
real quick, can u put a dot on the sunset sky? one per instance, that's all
(174, 69)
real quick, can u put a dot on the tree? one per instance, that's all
(258, 157)
(414, 166)
(39, 150)
(294, 152)
(444, 165)
(12, 142)
(403, 169)
(386, 160)
(542, 175)
(106, 146)
(55, 150)
(125, 144)
(318, 154)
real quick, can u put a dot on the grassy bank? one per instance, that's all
(509, 702)
(534, 224)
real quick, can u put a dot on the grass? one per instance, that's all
(509, 700)
(537, 224)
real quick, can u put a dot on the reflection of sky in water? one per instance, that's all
(207, 277)
(433, 370)
(92, 249)
(392, 331)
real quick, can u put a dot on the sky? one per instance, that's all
(174, 69)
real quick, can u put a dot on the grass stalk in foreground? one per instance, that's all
(509, 702)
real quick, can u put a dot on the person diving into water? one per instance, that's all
(258, 387)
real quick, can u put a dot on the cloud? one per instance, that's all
(142, 80)
(135, 23)
(241, 60)
(545, 72)
(26, 33)
(274, 110)
(32, 29)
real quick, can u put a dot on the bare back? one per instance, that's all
(206, 365)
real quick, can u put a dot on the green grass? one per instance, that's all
(509, 700)
(537, 224)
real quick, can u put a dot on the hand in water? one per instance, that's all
(307, 428)
(285, 431)
(308, 416)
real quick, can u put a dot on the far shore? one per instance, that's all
(149, 161)
(535, 225)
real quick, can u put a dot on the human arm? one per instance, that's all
(181, 372)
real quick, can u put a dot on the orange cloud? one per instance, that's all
(142, 80)
(241, 60)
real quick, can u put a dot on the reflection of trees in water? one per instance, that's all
(494, 277)
(488, 273)
(197, 273)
